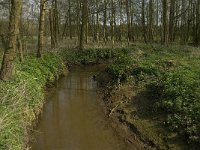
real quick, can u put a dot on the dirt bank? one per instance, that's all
(134, 118)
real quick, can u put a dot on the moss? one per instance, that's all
(22, 99)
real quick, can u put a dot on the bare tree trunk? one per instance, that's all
(132, 19)
(83, 24)
(157, 20)
(65, 26)
(56, 22)
(87, 26)
(10, 51)
(112, 23)
(70, 20)
(128, 21)
(171, 20)
(121, 20)
(20, 49)
(165, 22)
(183, 23)
(196, 37)
(105, 22)
(53, 43)
(41, 28)
(143, 22)
(151, 21)
(97, 22)
(24, 47)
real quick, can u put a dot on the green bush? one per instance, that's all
(88, 56)
(23, 97)
(121, 67)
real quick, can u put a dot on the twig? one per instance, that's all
(112, 110)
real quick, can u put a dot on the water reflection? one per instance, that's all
(73, 120)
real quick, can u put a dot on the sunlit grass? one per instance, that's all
(171, 76)
(22, 98)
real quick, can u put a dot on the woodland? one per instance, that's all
(152, 46)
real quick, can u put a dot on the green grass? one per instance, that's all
(171, 76)
(23, 97)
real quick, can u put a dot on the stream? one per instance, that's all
(73, 118)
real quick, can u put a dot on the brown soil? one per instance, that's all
(132, 115)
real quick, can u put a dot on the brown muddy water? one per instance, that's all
(73, 119)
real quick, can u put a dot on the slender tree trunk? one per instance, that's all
(87, 26)
(132, 19)
(165, 22)
(128, 21)
(143, 22)
(197, 25)
(97, 22)
(151, 21)
(70, 21)
(183, 23)
(112, 23)
(189, 20)
(93, 26)
(83, 24)
(171, 20)
(41, 28)
(78, 9)
(56, 23)
(157, 20)
(65, 26)
(20, 49)
(105, 22)
(53, 42)
(10, 51)
(121, 22)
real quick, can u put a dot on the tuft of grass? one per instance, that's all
(22, 99)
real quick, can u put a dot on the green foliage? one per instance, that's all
(171, 77)
(89, 56)
(121, 68)
(180, 97)
(22, 99)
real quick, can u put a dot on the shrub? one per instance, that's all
(121, 68)
(91, 55)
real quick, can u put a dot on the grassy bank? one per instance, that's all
(22, 99)
(169, 79)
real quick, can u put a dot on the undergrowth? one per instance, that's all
(91, 56)
(22, 99)
(171, 77)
